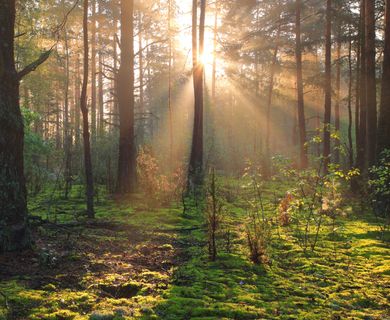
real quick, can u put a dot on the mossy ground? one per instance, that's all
(136, 262)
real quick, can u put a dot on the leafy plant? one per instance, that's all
(258, 227)
(379, 186)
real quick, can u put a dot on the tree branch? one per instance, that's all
(32, 66)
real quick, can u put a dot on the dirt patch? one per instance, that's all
(79, 256)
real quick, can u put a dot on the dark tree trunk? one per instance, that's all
(361, 139)
(84, 111)
(338, 94)
(301, 106)
(196, 160)
(93, 72)
(384, 119)
(101, 95)
(328, 84)
(371, 82)
(67, 133)
(77, 103)
(14, 234)
(170, 84)
(350, 76)
(270, 96)
(215, 42)
(127, 149)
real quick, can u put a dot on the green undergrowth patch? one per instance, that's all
(346, 277)
(128, 271)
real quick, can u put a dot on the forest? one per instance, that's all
(194, 159)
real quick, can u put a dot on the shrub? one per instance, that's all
(379, 186)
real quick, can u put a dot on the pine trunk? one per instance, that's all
(384, 119)
(14, 234)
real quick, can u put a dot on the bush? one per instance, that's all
(379, 186)
(159, 187)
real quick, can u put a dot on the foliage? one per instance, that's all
(315, 200)
(379, 185)
(35, 148)
(259, 226)
(159, 187)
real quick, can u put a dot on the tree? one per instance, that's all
(361, 138)
(127, 148)
(301, 106)
(196, 159)
(384, 117)
(370, 81)
(14, 231)
(328, 84)
(84, 111)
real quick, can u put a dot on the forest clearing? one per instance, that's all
(204, 159)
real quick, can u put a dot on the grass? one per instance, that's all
(162, 255)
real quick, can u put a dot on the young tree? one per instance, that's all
(384, 118)
(127, 148)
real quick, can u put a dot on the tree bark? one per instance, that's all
(338, 95)
(196, 160)
(14, 232)
(350, 76)
(384, 119)
(371, 82)
(84, 111)
(127, 149)
(301, 106)
(93, 72)
(328, 84)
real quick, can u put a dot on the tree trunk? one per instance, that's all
(93, 72)
(196, 159)
(77, 102)
(170, 85)
(371, 82)
(84, 111)
(214, 72)
(328, 84)
(127, 149)
(14, 234)
(350, 75)
(361, 139)
(301, 106)
(269, 96)
(141, 81)
(67, 134)
(384, 119)
(338, 94)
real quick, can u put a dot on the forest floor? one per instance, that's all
(137, 262)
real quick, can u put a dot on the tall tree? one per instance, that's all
(370, 81)
(384, 117)
(14, 232)
(127, 148)
(84, 111)
(93, 70)
(338, 93)
(361, 138)
(196, 159)
(328, 84)
(301, 106)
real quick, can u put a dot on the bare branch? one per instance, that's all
(32, 66)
